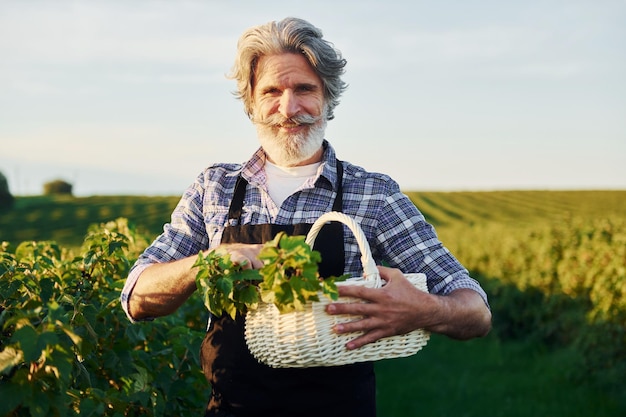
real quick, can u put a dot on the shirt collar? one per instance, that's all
(254, 173)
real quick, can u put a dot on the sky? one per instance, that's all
(131, 97)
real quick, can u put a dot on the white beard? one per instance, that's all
(290, 150)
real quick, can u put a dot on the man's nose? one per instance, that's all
(289, 104)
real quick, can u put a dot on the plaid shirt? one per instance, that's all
(397, 232)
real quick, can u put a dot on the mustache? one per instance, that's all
(276, 120)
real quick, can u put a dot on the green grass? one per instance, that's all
(485, 377)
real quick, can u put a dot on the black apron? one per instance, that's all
(241, 386)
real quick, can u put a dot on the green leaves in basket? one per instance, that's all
(289, 278)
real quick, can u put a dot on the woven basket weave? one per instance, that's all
(306, 338)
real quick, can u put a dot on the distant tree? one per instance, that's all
(6, 198)
(57, 187)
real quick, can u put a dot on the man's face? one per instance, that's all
(289, 109)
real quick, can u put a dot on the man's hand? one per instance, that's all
(398, 308)
(245, 255)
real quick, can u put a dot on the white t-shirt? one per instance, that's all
(284, 181)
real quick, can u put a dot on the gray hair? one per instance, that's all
(290, 35)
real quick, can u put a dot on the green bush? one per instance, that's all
(560, 283)
(68, 349)
(6, 198)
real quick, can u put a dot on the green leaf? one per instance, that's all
(291, 243)
(268, 295)
(26, 337)
(231, 310)
(90, 407)
(12, 395)
(9, 358)
(62, 362)
(141, 379)
(116, 245)
(225, 285)
(47, 339)
(329, 288)
(47, 289)
(75, 338)
(40, 404)
(249, 275)
(284, 293)
(249, 295)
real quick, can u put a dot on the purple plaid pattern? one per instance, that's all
(397, 232)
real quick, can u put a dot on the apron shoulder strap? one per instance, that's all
(338, 203)
(236, 206)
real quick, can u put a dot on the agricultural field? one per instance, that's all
(65, 219)
(552, 262)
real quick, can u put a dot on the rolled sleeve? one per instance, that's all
(460, 280)
(133, 276)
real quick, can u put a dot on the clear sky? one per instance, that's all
(130, 97)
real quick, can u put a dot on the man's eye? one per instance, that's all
(305, 88)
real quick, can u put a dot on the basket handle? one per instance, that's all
(370, 271)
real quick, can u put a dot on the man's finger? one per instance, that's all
(356, 291)
(357, 309)
(365, 338)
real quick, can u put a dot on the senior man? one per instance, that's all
(289, 80)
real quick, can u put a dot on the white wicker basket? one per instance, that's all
(305, 338)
